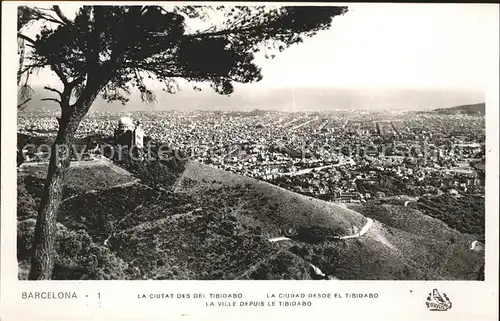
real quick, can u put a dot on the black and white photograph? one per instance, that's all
(252, 142)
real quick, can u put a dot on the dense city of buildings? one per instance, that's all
(343, 155)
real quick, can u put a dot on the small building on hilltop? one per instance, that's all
(129, 134)
(125, 124)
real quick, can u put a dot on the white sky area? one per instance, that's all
(391, 45)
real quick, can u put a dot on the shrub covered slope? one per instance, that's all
(203, 223)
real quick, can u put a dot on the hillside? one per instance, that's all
(212, 224)
(407, 245)
(472, 109)
(423, 237)
(132, 231)
(276, 209)
(85, 176)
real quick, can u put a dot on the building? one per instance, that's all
(128, 134)
(125, 124)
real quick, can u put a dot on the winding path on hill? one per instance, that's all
(94, 191)
(364, 229)
(477, 246)
(277, 239)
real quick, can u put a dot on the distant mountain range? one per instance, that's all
(249, 97)
(473, 109)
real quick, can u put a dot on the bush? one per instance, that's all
(27, 204)
(77, 256)
(465, 214)
(80, 258)
(153, 171)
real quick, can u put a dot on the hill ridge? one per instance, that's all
(469, 109)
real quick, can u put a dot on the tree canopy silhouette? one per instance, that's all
(112, 50)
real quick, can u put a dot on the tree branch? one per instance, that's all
(157, 72)
(224, 32)
(46, 16)
(75, 82)
(51, 99)
(59, 74)
(27, 69)
(28, 39)
(61, 16)
(49, 18)
(52, 89)
(23, 104)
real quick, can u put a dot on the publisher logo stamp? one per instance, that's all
(438, 302)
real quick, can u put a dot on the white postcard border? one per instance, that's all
(397, 300)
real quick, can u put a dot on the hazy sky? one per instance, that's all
(373, 45)
(448, 46)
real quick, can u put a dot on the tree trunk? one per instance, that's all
(42, 261)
